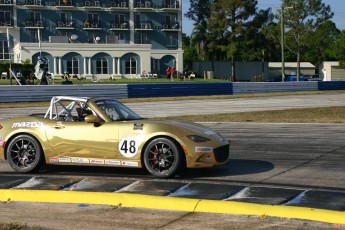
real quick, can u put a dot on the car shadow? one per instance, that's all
(234, 167)
(92, 171)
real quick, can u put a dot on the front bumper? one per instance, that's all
(218, 156)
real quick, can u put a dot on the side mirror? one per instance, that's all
(92, 119)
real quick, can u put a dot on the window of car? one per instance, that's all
(117, 111)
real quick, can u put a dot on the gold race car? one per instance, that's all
(104, 132)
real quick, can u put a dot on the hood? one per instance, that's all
(189, 127)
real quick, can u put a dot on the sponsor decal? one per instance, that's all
(112, 162)
(54, 160)
(97, 161)
(27, 125)
(128, 146)
(64, 160)
(129, 163)
(204, 149)
(92, 161)
(80, 160)
(138, 127)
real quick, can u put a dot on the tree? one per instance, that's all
(200, 12)
(227, 25)
(340, 48)
(321, 43)
(305, 17)
(189, 53)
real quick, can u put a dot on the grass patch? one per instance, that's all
(312, 115)
(15, 226)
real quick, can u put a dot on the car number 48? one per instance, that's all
(128, 147)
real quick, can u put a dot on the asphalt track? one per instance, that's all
(307, 157)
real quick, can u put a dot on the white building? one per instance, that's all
(331, 71)
(119, 38)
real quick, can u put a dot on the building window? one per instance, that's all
(93, 20)
(131, 66)
(73, 66)
(102, 66)
(66, 20)
(142, 38)
(34, 36)
(35, 19)
(171, 39)
(4, 51)
(120, 19)
(5, 18)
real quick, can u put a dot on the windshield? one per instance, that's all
(117, 111)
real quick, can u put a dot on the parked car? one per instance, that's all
(314, 77)
(274, 79)
(293, 78)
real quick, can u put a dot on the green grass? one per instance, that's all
(313, 115)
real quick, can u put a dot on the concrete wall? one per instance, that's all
(45, 93)
(245, 71)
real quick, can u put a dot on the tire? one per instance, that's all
(162, 158)
(24, 154)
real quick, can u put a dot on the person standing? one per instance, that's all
(168, 72)
(172, 70)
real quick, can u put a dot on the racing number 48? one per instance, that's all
(128, 147)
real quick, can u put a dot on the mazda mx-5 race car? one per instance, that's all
(104, 132)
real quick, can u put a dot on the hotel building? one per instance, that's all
(106, 38)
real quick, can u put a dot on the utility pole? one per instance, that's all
(283, 40)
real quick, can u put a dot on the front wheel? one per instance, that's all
(162, 158)
(24, 154)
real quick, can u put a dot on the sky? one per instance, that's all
(337, 6)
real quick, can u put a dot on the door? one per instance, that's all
(83, 140)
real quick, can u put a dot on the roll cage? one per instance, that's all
(67, 108)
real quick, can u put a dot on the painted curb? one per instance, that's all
(171, 203)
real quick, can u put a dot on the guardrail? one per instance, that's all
(45, 93)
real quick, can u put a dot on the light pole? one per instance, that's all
(283, 40)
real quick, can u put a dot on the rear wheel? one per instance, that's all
(162, 158)
(24, 154)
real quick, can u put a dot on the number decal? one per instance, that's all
(128, 147)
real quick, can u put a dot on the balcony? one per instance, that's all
(33, 4)
(144, 6)
(65, 25)
(6, 23)
(146, 26)
(91, 25)
(142, 41)
(64, 4)
(118, 5)
(119, 26)
(92, 5)
(172, 6)
(6, 2)
(171, 27)
(30, 24)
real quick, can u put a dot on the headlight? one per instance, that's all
(196, 138)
